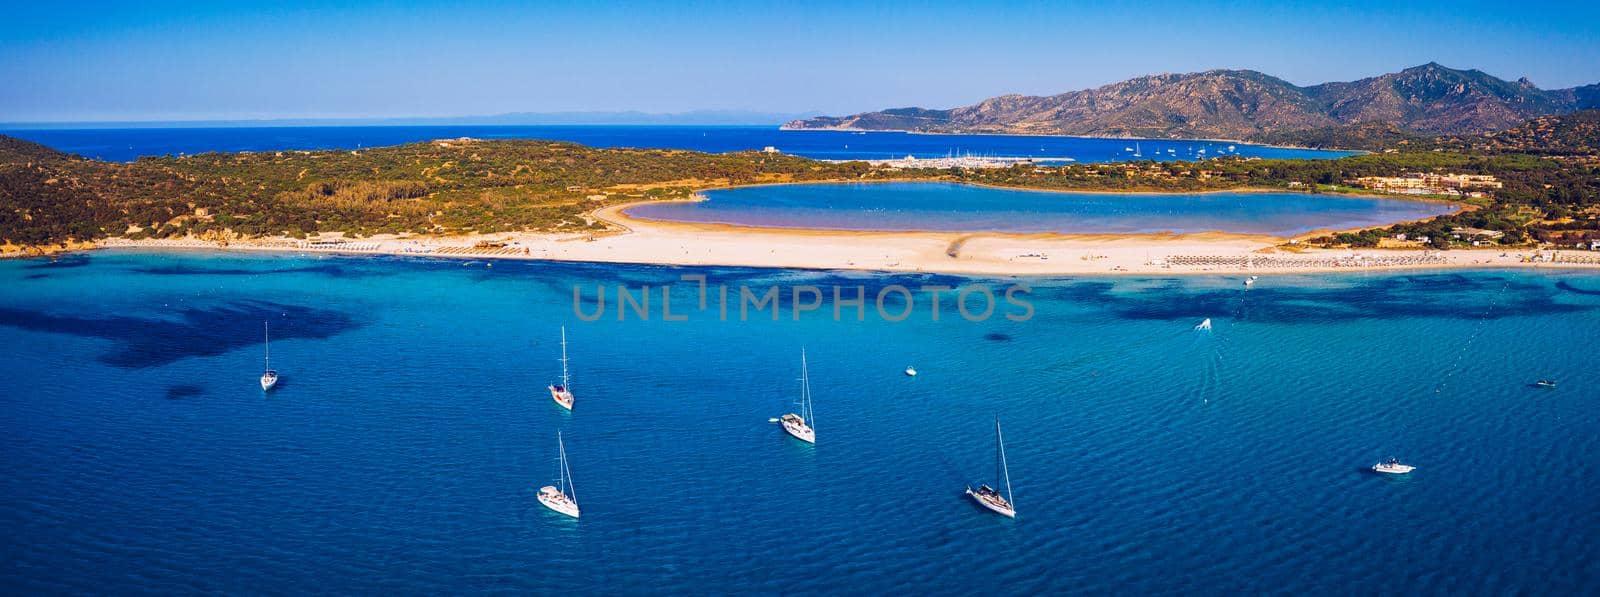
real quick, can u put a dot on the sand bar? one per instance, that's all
(672, 243)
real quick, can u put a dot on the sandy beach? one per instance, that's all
(672, 243)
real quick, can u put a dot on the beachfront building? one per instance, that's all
(1428, 183)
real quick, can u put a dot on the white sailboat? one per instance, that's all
(990, 497)
(1136, 152)
(799, 424)
(1203, 326)
(562, 392)
(561, 497)
(269, 377)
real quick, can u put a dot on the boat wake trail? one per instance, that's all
(1207, 351)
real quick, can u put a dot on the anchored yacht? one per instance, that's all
(562, 392)
(561, 497)
(269, 378)
(798, 424)
(990, 497)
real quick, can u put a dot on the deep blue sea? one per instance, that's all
(402, 450)
(128, 144)
(941, 206)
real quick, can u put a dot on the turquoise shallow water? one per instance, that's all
(941, 206)
(402, 451)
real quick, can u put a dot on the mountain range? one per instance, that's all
(1244, 104)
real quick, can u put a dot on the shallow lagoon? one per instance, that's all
(938, 206)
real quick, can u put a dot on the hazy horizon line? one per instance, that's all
(704, 117)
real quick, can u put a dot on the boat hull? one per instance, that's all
(799, 430)
(269, 381)
(553, 499)
(1395, 469)
(991, 506)
(561, 397)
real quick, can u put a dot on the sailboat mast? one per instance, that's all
(1000, 443)
(805, 391)
(565, 382)
(266, 331)
(566, 474)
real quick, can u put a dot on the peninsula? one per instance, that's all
(553, 200)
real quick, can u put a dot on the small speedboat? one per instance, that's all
(911, 371)
(1545, 383)
(1203, 326)
(1392, 466)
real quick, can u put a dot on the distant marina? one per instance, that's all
(965, 161)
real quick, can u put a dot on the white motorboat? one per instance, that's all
(1392, 466)
(911, 371)
(269, 378)
(561, 497)
(1203, 326)
(990, 497)
(562, 392)
(799, 424)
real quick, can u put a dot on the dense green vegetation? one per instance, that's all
(1544, 199)
(440, 187)
(1549, 169)
(1372, 135)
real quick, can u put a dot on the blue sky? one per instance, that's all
(231, 60)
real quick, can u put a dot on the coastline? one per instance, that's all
(629, 239)
(785, 127)
(961, 253)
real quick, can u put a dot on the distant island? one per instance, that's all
(1247, 105)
